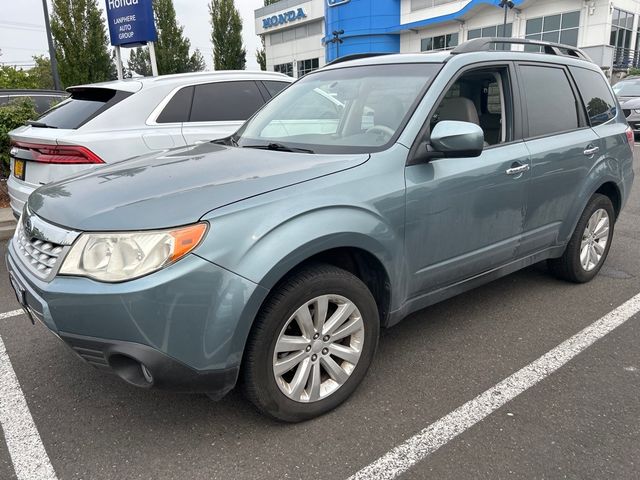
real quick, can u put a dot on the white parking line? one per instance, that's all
(13, 313)
(418, 447)
(29, 458)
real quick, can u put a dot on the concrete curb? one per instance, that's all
(7, 223)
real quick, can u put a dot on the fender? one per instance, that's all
(268, 258)
(606, 170)
(263, 238)
(271, 251)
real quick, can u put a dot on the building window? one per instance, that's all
(286, 68)
(621, 33)
(295, 33)
(307, 66)
(440, 42)
(493, 31)
(561, 28)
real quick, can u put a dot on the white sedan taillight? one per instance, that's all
(59, 154)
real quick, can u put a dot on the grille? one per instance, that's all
(626, 112)
(41, 257)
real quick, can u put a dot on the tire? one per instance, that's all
(570, 267)
(279, 395)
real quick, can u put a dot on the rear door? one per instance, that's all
(562, 146)
(219, 109)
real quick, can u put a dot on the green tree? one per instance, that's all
(13, 115)
(82, 45)
(38, 77)
(12, 77)
(41, 73)
(172, 48)
(226, 34)
(139, 62)
(261, 55)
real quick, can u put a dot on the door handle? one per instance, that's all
(518, 170)
(591, 150)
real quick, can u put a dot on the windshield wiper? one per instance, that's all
(37, 124)
(279, 147)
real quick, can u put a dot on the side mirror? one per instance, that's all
(451, 139)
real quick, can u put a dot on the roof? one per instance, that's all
(389, 59)
(473, 51)
(136, 84)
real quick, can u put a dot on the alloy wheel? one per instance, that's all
(318, 348)
(594, 239)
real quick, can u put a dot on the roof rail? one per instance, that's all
(356, 56)
(486, 44)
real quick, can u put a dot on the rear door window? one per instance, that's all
(551, 104)
(178, 109)
(84, 105)
(225, 101)
(600, 105)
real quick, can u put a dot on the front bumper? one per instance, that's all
(126, 359)
(187, 324)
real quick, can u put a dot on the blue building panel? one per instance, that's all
(373, 26)
(365, 24)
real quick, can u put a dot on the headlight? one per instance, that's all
(637, 111)
(116, 257)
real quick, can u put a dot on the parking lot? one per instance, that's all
(580, 421)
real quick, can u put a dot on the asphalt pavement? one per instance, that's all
(581, 421)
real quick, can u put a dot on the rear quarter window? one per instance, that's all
(83, 105)
(597, 98)
(178, 109)
(275, 88)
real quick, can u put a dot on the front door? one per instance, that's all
(464, 216)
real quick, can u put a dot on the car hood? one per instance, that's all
(624, 99)
(176, 187)
(630, 104)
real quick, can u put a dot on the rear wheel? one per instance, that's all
(589, 245)
(311, 345)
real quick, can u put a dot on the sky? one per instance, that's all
(22, 33)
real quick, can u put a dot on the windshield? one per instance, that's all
(629, 88)
(346, 110)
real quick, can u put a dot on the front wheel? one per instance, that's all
(589, 245)
(311, 345)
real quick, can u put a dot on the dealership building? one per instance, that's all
(303, 35)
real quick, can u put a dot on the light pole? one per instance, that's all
(507, 5)
(52, 50)
(337, 40)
